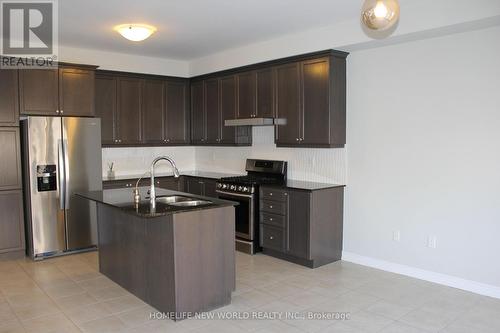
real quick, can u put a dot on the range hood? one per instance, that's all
(255, 122)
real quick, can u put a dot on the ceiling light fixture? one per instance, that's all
(380, 14)
(135, 32)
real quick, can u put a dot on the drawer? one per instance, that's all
(272, 219)
(272, 237)
(273, 194)
(113, 184)
(274, 207)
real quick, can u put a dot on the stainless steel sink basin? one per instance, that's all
(169, 199)
(191, 203)
(179, 200)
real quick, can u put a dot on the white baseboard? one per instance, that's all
(447, 280)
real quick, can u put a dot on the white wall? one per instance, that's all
(320, 165)
(424, 154)
(124, 62)
(136, 161)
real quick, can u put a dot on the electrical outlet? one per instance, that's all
(396, 236)
(432, 242)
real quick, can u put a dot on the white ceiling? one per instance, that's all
(189, 29)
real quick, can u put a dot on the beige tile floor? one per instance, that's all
(68, 294)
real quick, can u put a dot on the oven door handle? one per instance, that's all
(235, 194)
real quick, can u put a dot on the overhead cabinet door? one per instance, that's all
(315, 110)
(227, 109)
(288, 103)
(177, 113)
(39, 91)
(154, 112)
(9, 99)
(198, 114)
(212, 110)
(76, 92)
(105, 107)
(129, 110)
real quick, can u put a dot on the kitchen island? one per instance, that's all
(178, 258)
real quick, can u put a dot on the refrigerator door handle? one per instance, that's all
(66, 174)
(61, 177)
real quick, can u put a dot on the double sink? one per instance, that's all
(181, 201)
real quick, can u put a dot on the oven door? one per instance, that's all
(244, 218)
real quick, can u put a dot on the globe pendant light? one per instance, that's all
(380, 14)
(135, 32)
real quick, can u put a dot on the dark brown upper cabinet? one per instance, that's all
(198, 114)
(65, 91)
(310, 96)
(166, 118)
(154, 112)
(211, 90)
(212, 102)
(9, 99)
(10, 163)
(288, 104)
(130, 104)
(228, 92)
(265, 93)
(39, 91)
(76, 92)
(246, 95)
(105, 107)
(177, 112)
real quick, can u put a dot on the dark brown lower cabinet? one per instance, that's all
(11, 223)
(169, 183)
(302, 226)
(200, 186)
(10, 161)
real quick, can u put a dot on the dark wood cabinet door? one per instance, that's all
(198, 133)
(246, 95)
(265, 93)
(212, 111)
(76, 92)
(177, 113)
(315, 109)
(10, 161)
(298, 223)
(169, 183)
(153, 112)
(288, 103)
(38, 90)
(209, 189)
(9, 99)
(105, 107)
(227, 109)
(129, 110)
(11, 221)
(194, 186)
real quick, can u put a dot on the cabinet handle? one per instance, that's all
(270, 219)
(57, 111)
(62, 111)
(271, 193)
(297, 139)
(271, 237)
(271, 206)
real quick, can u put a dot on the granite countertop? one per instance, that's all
(123, 200)
(201, 174)
(304, 185)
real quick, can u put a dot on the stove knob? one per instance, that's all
(219, 185)
(233, 187)
(245, 189)
(240, 188)
(224, 186)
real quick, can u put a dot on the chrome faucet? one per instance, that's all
(152, 192)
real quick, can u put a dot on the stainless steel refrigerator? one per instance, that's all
(61, 155)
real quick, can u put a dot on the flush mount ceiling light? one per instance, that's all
(380, 14)
(135, 32)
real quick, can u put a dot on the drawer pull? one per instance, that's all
(271, 193)
(270, 219)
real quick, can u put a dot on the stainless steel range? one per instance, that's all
(245, 190)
